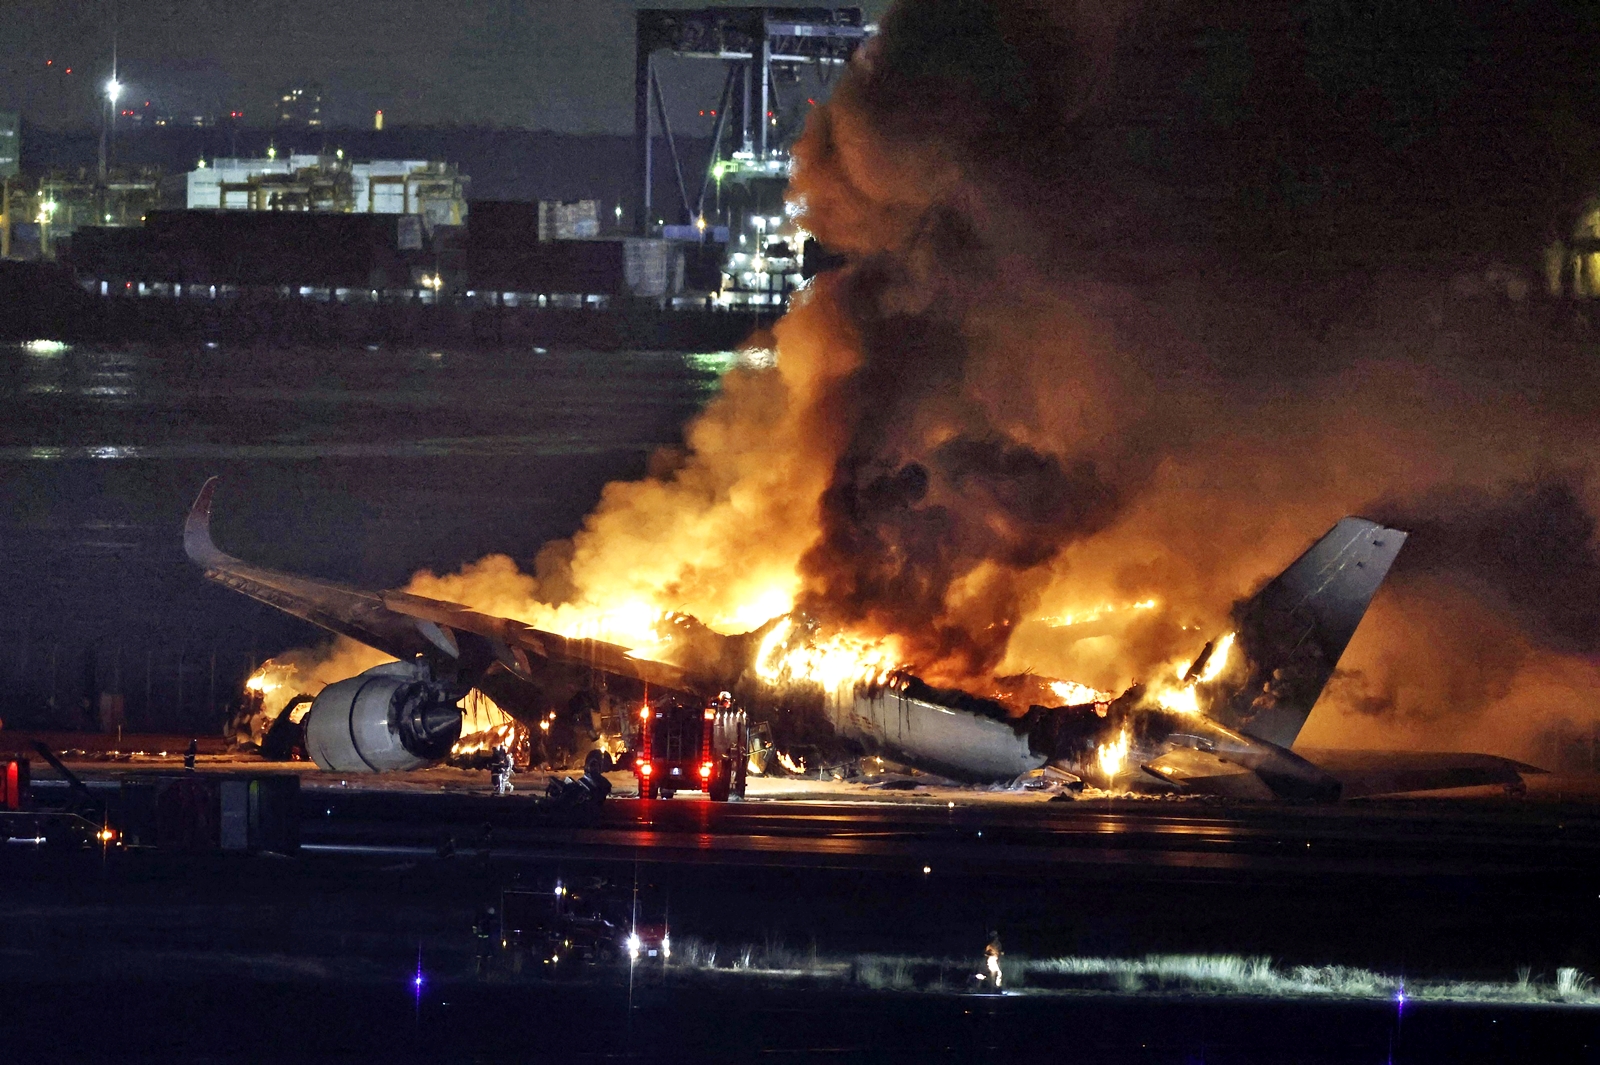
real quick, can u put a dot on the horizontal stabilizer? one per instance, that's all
(1362, 773)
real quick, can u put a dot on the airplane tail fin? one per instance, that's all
(1293, 631)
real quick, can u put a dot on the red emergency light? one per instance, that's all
(14, 784)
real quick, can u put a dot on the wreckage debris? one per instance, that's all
(588, 790)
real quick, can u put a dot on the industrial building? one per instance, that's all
(436, 191)
(10, 143)
(300, 107)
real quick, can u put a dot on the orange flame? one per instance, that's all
(788, 655)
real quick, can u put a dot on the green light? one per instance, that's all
(712, 362)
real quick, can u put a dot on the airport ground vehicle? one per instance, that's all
(587, 923)
(686, 749)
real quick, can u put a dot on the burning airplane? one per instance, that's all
(1224, 723)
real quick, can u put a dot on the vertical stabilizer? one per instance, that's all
(1294, 630)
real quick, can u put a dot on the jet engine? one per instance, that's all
(392, 717)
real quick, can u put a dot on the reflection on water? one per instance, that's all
(360, 463)
(175, 402)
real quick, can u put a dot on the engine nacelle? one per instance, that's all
(392, 717)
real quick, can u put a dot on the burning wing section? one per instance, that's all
(403, 715)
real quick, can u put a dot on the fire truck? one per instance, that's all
(688, 748)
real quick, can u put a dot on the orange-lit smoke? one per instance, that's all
(1043, 393)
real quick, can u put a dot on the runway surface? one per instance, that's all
(808, 823)
(894, 893)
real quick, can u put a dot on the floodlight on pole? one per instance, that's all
(113, 90)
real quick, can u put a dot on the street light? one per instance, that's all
(113, 92)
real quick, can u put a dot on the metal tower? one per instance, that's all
(760, 45)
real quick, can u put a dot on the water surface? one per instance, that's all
(357, 464)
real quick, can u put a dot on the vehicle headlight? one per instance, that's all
(666, 946)
(633, 945)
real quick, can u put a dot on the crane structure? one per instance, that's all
(764, 48)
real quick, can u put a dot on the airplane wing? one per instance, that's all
(1368, 773)
(405, 625)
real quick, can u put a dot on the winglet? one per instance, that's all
(197, 542)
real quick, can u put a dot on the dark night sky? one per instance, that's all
(545, 64)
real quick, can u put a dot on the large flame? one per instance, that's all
(1185, 696)
(790, 655)
(1072, 693)
(1112, 755)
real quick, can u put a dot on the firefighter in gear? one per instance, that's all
(500, 770)
(991, 958)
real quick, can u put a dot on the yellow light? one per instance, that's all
(544, 726)
(106, 835)
(644, 714)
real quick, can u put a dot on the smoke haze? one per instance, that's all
(1106, 337)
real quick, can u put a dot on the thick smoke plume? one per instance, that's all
(1130, 314)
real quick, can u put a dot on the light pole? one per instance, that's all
(113, 94)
